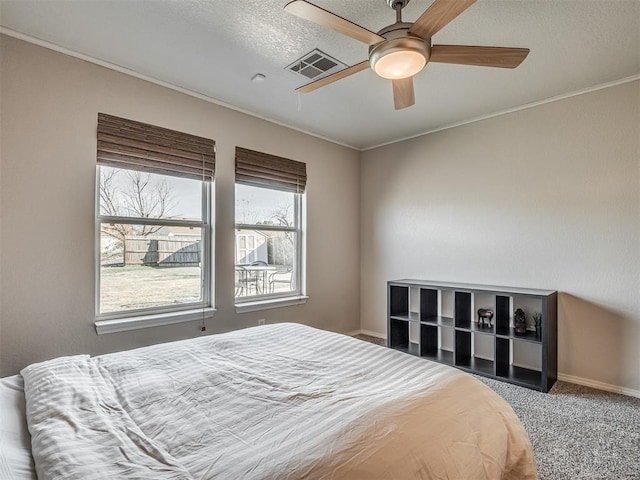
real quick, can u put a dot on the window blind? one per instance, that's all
(263, 170)
(129, 144)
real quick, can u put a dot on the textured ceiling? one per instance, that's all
(214, 47)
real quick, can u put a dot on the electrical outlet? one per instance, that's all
(261, 321)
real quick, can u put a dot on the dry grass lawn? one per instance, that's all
(137, 286)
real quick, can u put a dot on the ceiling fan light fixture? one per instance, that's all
(399, 58)
(398, 65)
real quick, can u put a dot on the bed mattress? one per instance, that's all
(15, 444)
(283, 401)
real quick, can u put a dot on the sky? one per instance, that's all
(253, 204)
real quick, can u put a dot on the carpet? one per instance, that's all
(578, 433)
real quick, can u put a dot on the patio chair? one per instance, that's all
(280, 277)
(244, 281)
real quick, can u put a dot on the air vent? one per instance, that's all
(315, 64)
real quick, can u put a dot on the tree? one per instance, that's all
(250, 215)
(281, 217)
(135, 195)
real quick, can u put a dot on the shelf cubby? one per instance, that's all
(465, 354)
(502, 315)
(484, 346)
(446, 303)
(503, 356)
(428, 303)
(462, 347)
(398, 301)
(428, 340)
(462, 312)
(399, 334)
(437, 321)
(529, 305)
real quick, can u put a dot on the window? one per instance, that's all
(268, 254)
(153, 219)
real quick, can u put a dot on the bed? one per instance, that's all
(281, 401)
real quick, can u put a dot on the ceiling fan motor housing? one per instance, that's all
(397, 3)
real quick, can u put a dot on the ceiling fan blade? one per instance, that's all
(504, 57)
(439, 14)
(310, 87)
(329, 20)
(403, 96)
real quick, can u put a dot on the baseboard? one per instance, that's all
(352, 334)
(373, 334)
(598, 385)
(367, 332)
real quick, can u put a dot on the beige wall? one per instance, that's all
(49, 114)
(546, 197)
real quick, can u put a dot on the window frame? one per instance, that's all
(153, 316)
(273, 300)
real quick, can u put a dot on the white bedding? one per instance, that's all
(15, 444)
(282, 401)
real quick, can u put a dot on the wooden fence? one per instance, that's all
(162, 250)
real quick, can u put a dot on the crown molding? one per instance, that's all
(147, 78)
(526, 106)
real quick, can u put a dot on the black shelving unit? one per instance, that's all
(438, 321)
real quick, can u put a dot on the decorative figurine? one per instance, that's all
(484, 314)
(520, 322)
(537, 319)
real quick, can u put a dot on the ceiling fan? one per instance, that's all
(401, 50)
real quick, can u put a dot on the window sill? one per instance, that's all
(271, 303)
(146, 321)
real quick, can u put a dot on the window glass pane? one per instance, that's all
(145, 266)
(263, 206)
(268, 268)
(129, 193)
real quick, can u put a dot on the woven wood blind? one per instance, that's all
(264, 170)
(129, 144)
